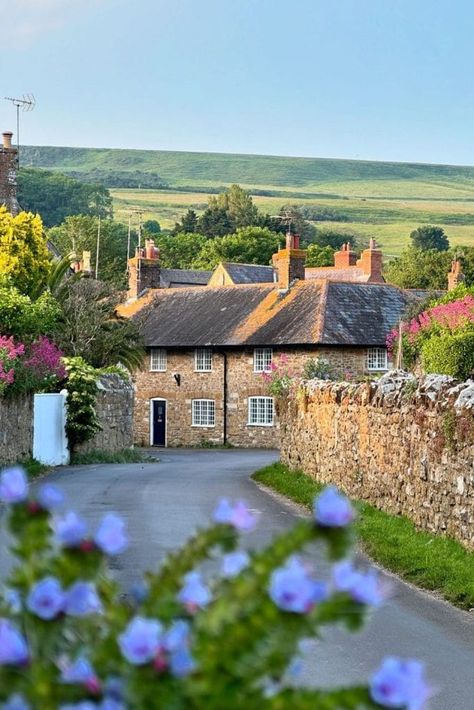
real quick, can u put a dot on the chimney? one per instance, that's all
(371, 263)
(289, 262)
(345, 257)
(144, 269)
(7, 140)
(8, 170)
(455, 276)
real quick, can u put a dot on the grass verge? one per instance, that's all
(124, 456)
(430, 561)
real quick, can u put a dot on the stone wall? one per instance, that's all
(242, 383)
(402, 444)
(115, 403)
(16, 428)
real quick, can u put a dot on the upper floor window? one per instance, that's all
(377, 359)
(261, 411)
(204, 412)
(158, 360)
(203, 360)
(262, 360)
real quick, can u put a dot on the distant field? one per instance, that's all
(384, 200)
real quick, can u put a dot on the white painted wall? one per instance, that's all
(49, 429)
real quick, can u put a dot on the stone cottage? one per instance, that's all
(208, 348)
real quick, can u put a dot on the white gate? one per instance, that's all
(49, 429)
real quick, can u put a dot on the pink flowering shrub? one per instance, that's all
(29, 368)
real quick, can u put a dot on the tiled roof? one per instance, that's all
(249, 273)
(310, 313)
(183, 277)
(330, 273)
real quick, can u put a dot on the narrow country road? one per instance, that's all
(164, 502)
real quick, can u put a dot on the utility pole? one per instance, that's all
(97, 251)
(27, 103)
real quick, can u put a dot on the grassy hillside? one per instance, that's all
(380, 199)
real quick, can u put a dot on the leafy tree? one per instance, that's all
(24, 318)
(188, 223)
(250, 245)
(152, 226)
(428, 238)
(215, 222)
(292, 217)
(24, 256)
(55, 196)
(319, 256)
(335, 239)
(238, 204)
(417, 268)
(179, 251)
(92, 330)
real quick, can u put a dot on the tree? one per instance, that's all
(152, 226)
(250, 245)
(24, 318)
(334, 239)
(179, 251)
(292, 217)
(24, 255)
(417, 268)
(319, 256)
(188, 223)
(55, 196)
(215, 222)
(428, 237)
(238, 204)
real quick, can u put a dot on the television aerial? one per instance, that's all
(26, 103)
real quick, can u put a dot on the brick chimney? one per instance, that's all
(289, 262)
(455, 276)
(371, 263)
(144, 269)
(8, 170)
(345, 257)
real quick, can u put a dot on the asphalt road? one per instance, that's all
(164, 502)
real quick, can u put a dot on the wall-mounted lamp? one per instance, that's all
(177, 378)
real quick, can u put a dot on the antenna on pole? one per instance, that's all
(26, 103)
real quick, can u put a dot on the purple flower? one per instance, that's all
(82, 599)
(363, 587)
(16, 702)
(69, 529)
(141, 640)
(177, 636)
(81, 672)
(181, 662)
(194, 593)
(111, 536)
(13, 485)
(238, 515)
(332, 509)
(234, 563)
(292, 589)
(46, 598)
(13, 648)
(50, 496)
(400, 684)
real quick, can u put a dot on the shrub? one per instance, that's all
(82, 421)
(449, 355)
(69, 640)
(318, 369)
(29, 368)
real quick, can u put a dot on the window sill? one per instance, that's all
(203, 426)
(261, 425)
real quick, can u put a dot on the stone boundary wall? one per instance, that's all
(403, 444)
(16, 428)
(115, 402)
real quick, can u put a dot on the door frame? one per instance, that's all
(158, 399)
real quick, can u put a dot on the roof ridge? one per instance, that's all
(321, 320)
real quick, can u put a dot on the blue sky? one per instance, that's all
(375, 79)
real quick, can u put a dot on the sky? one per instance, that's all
(366, 79)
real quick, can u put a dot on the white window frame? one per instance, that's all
(201, 413)
(262, 360)
(261, 407)
(203, 360)
(377, 359)
(161, 363)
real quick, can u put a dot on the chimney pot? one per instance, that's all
(7, 140)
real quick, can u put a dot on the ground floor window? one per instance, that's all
(204, 412)
(261, 411)
(377, 359)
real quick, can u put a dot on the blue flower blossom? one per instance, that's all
(177, 636)
(80, 672)
(69, 529)
(363, 587)
(82, 599)
(13, 485)
(16, 702)
(233, 563)
(181, 662)
(46, 599)
(13, 647)
(292, 589)
(50, 496)
(194, 593)
(332, 509)
(400, 683)
(141, 640)
(111, 536)
(237, 515)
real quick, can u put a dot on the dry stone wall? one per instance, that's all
(403, 444)
(114, 405)
(16, 429)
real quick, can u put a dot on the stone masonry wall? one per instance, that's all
(115, 403)
(16, 429)
(242, 383)
(402, 444)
